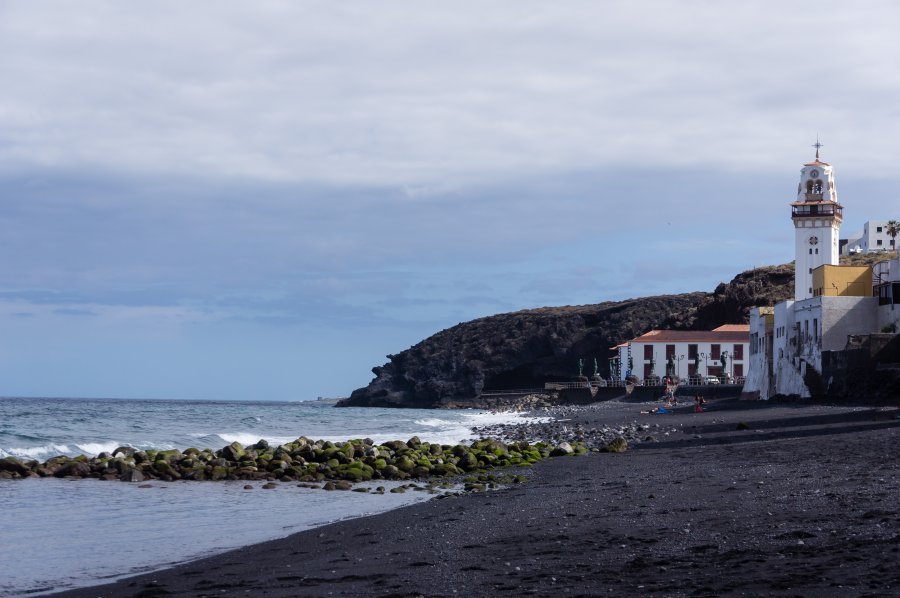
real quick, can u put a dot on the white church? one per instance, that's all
(831, 302)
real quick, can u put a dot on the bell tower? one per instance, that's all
(817, 217)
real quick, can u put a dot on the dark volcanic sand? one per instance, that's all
(803, 503)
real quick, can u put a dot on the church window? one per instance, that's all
(810, 251)
(817, 251)
(810, 270)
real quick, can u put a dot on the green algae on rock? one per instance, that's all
(303, 460)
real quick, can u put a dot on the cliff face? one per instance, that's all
(527, 348)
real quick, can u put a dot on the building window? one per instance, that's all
(810, 251)
(816, 328)
(878, 229)
(715, 351)
(738, 351)
(648, 351)
(692, 351)
(878, 242)
(670, 352)
(738, 370)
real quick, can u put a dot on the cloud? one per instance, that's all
(196, 173)
(399, 95)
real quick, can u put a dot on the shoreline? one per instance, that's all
(802, 498)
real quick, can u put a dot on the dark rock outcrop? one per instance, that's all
(527, 348)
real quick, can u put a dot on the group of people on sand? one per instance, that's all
(671, 400)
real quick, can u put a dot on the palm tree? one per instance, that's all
(892, 228)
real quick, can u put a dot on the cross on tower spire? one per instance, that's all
(817, 145)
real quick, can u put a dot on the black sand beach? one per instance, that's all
(802, 500)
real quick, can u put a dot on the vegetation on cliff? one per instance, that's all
(527, 348)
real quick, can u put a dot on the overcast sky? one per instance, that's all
(259, 200)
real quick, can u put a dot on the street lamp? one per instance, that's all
(678, 369)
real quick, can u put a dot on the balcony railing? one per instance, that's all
(828, 209)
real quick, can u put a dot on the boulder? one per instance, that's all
(13, 465)
(233, 452)
(132, 475)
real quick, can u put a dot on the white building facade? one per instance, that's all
(817, 217)
(685, 354)
(873, 238)
(787, 340)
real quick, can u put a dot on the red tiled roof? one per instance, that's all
(733, 328)
(695, 336)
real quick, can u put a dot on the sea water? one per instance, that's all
(57, 534)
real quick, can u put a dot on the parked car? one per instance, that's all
(712, 380)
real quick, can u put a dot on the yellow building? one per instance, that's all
(842, 281)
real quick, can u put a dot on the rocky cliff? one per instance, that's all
(527, 348)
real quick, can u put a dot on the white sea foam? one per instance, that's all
(434, 422)
(488, 418)
(37, 452)
(95, 448)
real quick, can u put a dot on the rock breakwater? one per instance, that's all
(302, 460)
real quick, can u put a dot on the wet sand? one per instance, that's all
(805, 500)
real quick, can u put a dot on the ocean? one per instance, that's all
(57, 534)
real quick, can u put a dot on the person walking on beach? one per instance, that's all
(698, 403)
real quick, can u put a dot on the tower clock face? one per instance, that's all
(813, 240)
(813, 173)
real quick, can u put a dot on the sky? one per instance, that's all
(261, 200)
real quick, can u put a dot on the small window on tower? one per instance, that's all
(810, 251)
(817, 251)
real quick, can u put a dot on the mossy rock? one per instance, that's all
(233, 452)
(616, 445)
(420, 472)
(468, 462)
(445, 469)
